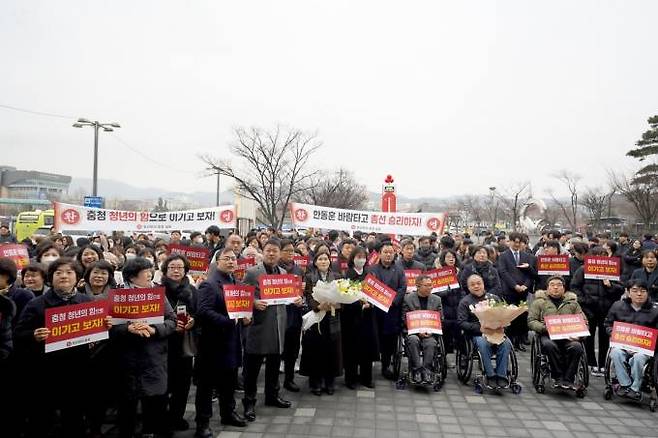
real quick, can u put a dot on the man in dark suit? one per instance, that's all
(517, 269)
(265, 336)
(422, 299)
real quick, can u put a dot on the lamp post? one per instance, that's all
(492, 190)
(107, 127)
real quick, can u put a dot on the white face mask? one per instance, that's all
(359, 263)
(49, 259)
(130, 256)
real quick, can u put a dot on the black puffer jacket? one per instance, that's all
(487, 271)
(622, 311)
(594, 297)
(426, 257)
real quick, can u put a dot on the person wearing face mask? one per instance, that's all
(47, 253)
(33, 277)
(358, 329)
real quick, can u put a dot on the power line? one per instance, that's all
(39, 113)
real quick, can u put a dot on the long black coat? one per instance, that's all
(7, 312)
(359, 327)
(219, 338)
(20, 297)
(293, 313)
(180, 294)
(593, 296)
(467, 320)
(622, 311)
(512, 276)
(393, 277)
(489, 275)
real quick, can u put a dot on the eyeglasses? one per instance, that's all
(176, 268)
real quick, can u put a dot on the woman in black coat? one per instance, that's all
(182, 297)
(142, 356)
(482, 266)
(450, 299)
(631, 260)
(358, 329)
(321, 344)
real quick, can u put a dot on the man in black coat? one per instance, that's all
(517, 271)
(389, 324)
(291, 342)
(407, 261)
(220, 350)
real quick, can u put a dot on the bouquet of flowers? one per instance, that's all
(495, 315)
(333, 293)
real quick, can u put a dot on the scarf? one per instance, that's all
(65, 296)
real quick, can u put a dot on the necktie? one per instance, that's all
(516, 257)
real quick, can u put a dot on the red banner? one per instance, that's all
(239, 300)
(301, 261)
(243, 265)
(77, 324)
(137, 305)
(424, 321)
(553, 264)
(196, 255)
(17, 252)
(566, 326)
(634, 337)
(411, 275)
(443, 278)
(377, 293)
(279, 289)
(373, 259)
(602, 268)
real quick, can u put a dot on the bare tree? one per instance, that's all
(513, 199)
(474, 209)
(273, 167)
(335, 189)
(595, 203)
(570, 210)
(643, 197)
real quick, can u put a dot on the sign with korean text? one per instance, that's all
(566, 326)
(16, 252)
(301, 261)
(279, 288)
(424, 321)
(602, 268)
(377, 293)
(137, 305)
(77, 324)
(239, 300)
(76, 217)
(553, 264)
(411, 275)
(243, 265)
(414, 224)
(373, 258)
(196, 255)
(634, 337)
(443, 278)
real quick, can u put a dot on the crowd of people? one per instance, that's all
(149, 368)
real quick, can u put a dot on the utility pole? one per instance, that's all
(107, 127)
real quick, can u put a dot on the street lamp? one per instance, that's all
(107, 127)
(492, 190)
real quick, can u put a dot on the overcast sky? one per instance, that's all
(449, 97)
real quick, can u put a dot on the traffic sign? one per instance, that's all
(94, 201)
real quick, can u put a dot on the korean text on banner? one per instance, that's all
(632, 337)
(239, 300)
(196, 255)
(243, 265)
(553, 264)
(301, 261)
(414, 224)
(377, 293)
(411, 275)
(443, 278)
(137, 305)
(76, 217)
(602, 268)
(16, 252)
(424, 321)
(373, 258)
(279, 289)
(566, 326)
(77, 324)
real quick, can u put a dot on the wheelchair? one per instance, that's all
(649, 381)
(540, 369)
(439, 365)
(467, 353)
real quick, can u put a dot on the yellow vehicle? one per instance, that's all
(33, 222)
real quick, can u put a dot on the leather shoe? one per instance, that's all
(278, 402)
(329, 390)
(203, 432)
(369, 384)
(291, 386)
(350, 385)
(249, 410)
(316, 391)
(234, 420)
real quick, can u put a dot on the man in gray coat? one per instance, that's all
(265, 336)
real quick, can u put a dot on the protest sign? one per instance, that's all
(424, 321)
(280, 288)
(239, 300)
(373, 258)
(137, 305)
(243, 265)
(602, 268)
(634, 337)
(553, 264)
(566, 326)
(443, 278)
(196, 255)
(411, 275)
(301, 261)
(16, 252)
(77, 324)
(377, 293)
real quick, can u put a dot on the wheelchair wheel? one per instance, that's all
(513, 369)
(397, 358)
(535, 365)
(464, 363)
(582, 374)
(607, 393)
(442, 363)
(607, 371)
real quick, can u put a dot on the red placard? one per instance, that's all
(443, 278)
(343, 265)
(633, 337)
(373, 258)
(239, 300)
(411, 275)
(566, 326)
(301, 261)
(424, 321)
(77, 324)
(553, 264)
(137, 305)
(196, 255)
(243, 265)
(377, 293)
(602, 268)
(279, 289)
(17, 252)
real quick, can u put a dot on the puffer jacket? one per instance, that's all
(593, 296)
(542, 305)
(622, 311)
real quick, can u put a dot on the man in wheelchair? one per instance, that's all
(422, 299)
(636, 308)
(563, 354)
(470, 325)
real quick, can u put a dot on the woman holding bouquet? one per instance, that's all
(321, 344)
(358, 329)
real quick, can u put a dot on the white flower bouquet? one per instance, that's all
(494, 316)
(334, 293)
